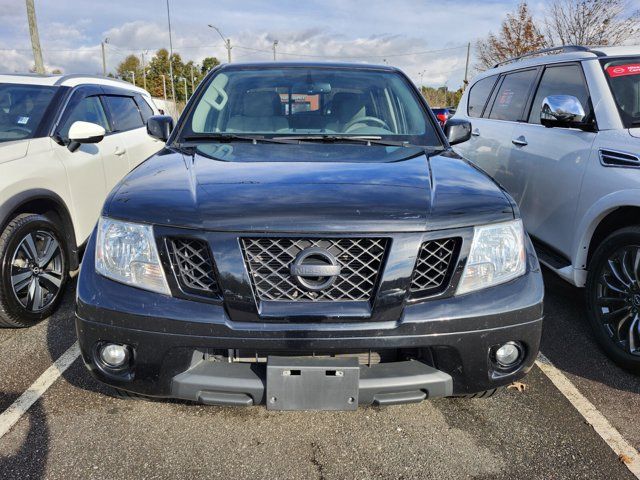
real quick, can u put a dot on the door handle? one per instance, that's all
(475, 132)
(520, 141)
(120, 151)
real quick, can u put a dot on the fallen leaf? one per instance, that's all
(624, 458)
(519, 386)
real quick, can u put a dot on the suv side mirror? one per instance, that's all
(160, 127)
(84, 132)
(457, 130)
(562, 111)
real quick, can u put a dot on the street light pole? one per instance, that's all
(173, 88)
(227, 41)
(466, 67)
(164, 87)
(275, 44)
(133, 76)
(193, 88)
(144, 71)
(104, 57)
(186, 94)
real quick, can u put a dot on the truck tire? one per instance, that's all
(613, 297)
(33, 270)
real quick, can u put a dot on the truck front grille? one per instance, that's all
(434, 266)
(269, 261)
(192, 266)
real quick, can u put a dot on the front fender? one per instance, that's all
(590, 221)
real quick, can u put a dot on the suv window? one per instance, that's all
(89, 109)
(145, 108)
(512, 95)
(124, 112)
(479, 94)
(560, 80)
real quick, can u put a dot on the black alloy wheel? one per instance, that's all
(34, 270)
(613, 291)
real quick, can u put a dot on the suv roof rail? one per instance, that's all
(545, 51)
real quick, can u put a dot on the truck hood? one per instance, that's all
(308, 188)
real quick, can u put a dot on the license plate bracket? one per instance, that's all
(308, 383)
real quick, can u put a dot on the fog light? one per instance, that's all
(114, 355)
(508, 355)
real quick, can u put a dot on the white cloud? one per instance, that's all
(358, 31)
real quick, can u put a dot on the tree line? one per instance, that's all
(564, 22)
(131, 70)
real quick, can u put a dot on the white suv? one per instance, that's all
(561, 133)
(65, 142)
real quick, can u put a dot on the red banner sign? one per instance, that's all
(622, 70)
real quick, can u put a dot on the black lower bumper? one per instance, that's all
(178, 366)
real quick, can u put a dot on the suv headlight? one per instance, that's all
(126, 252)
(497, 255)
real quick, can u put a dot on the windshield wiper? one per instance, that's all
(232, 137)
(367, 139)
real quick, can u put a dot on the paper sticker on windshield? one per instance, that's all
(622, 70)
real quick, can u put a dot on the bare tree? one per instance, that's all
(591, 22)
(518, 35)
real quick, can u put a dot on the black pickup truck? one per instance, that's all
(308, 239)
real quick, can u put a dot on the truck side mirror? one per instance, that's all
(160, 127)
(457, 130)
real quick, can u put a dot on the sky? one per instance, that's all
(427, 39)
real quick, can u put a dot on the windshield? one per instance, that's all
(307, 101)
(624, 80)
(21, 109)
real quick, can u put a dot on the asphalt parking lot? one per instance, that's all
(76, 430)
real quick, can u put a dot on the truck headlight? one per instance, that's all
(126, 252)
(497, 255)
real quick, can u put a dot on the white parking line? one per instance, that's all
(600, 424)
(11, 415)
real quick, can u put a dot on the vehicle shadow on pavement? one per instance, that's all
(568, 341)
(32, 453)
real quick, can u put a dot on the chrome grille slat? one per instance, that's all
(433, 266)
(193, 266)
(268, 261)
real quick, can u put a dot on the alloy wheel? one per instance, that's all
(37, 270)
(618, 298)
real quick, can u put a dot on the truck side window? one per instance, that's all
(560, 80)
(512, 96)
(479, 94)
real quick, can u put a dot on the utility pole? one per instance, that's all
(164, 87)
(133, 76)
(227, 41)
(144, 71)
(35, 38)
(193, 88)
(104, 57)
(275, 44)
(466, 68)
(173, 88)
(186, 93)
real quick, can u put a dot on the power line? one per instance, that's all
(294, 54)
(390, 55)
